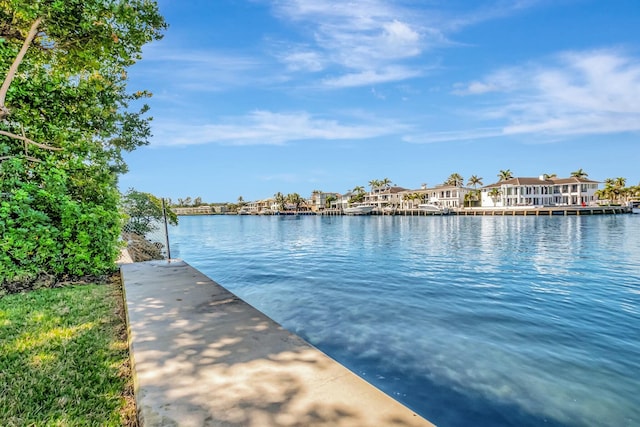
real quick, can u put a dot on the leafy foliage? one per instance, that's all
(65, 119)
(144, 211)
(44, 229)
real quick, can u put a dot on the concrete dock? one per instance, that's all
(203, 357)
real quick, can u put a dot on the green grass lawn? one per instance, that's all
(64, 359)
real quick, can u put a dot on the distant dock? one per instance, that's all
(543, 211)
(511, 211)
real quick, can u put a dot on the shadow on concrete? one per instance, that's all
(203, 357)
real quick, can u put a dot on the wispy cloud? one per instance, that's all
(461, 135)
(360, 41)
(203, 69)
(269, 128)
(372, 77)
(505, 80)
(576, 93)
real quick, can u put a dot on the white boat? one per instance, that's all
(430, 207)
(635, 207)
(358, 210)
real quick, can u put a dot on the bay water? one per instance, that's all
(483, 321)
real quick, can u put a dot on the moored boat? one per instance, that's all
(430, 207)
(358, 210)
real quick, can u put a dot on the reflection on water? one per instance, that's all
(468, 320)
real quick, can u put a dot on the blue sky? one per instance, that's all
(254, 97)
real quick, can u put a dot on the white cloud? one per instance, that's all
(362, 38)
(359, 38)
(463, 135)
(578, 93)
(505, 80)
(268, 128)
(371, 77)
(303, 61)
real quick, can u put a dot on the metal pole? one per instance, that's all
(166, 229)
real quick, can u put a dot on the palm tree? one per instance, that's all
(618, 188)
(412, 197)
(468, 197)
(474, 181)
(295, 199)
(330, 198)
(579, 174)
(549, 176)
(494, 193)
(504, 175)
(358, 189)
(386, 182)
(374, 183)
(455, 179)
(280, 200)
(621, 182)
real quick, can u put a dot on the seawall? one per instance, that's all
(201, 356)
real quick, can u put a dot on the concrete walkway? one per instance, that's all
(203, 357)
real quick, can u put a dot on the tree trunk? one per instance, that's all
(33, 31)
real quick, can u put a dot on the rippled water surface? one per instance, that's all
(521, 321)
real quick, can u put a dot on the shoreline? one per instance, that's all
(510, 211)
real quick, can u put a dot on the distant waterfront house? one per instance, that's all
(540, 191)
(386, 196)
(265, 205)
(448, 196)
(318, 200)
(343, 201)
(194, 210)
(251, 207)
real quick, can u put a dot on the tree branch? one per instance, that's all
(4, 111)
(33, 159)
(29, 141)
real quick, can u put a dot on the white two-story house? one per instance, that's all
(539, 191)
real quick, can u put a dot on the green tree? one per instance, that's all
(144, 212)
(615, 191)
(474, 181)
(455, 179)
(296, 200)
(358, 189)
(330, 198)
(65, 120)
(504, 175)
(580, 174)
(468, 198)
(358, 194)
(280, 200)
(494, 193)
